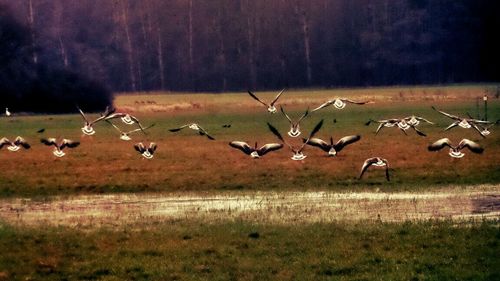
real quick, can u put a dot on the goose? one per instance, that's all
(464, 122)
(255, 152)
(415, 120)
(375, 161)
(125, 135)
(14, 145)
(333, 149)
(294, 126)
(338, 103)
(270, 107)
(126, 118)
(59, 146)
(7, 112)
(400, 123)
(297, 152)
(87, 128)
(455, 151)
(195, 127)
(146, 152)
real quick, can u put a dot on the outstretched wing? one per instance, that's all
(368, 162)
(49, 141)
(439, 144)
(446, 114)
(269, 147)
(423, 119)
(139, 147)
(179, 128)
(343, 142)
(69, 143)
(256, 98)
(277, 97)
(318, 143)
(324, 105)
(420, 133)
(243, 146)
(140, 129)
(114, 126)
(286, 115)
(472, 146)
(21, 141)
(152, 147)
(304, 115)
(83, 115)
(355, 102)
(204, 132)
(4, 141)
(313, 132)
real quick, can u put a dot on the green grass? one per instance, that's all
(185, 161)
(193, 250)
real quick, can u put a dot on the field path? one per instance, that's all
(482, 202)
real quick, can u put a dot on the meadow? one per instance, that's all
(231, 247)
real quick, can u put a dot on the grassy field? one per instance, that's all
(182, 250)
(185, 161)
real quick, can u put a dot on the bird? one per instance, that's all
(455, 151)
(294, 126)
(415, 120)
(333, 149)
(126, 118)
(297, 152)
(226, 126)
(41, 130)
(59, 146)
(7, 112)
(465, 123)
(125, 135)
(255, 152)
(270, 107)
(400, 123)
(146, 152)
(375, 161)
(195, 127)
(14, 145)
(87, 128)
(338, 103)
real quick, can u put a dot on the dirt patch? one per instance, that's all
(273, 207)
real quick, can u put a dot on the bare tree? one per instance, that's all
(31, 21)
(130, 51)
(251, 44)
(305, 32)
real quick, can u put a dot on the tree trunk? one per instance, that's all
(31, 21)
(190, 38)
(222, 48)
(130, 56)
(160, 59)
(307, 48)
(251, 47)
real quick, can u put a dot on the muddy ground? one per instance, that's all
(478, 202)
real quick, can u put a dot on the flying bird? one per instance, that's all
(41, 130)
(455, 151)
(377, 162)
(226, 126)
(14, 145)
(415, 120)
(465, 123)
(338, 103)
(146, 152)
(270, 107)
(59, 146)
(195, 127)
(124, 135)
(294, 126)
(126, 118)
(255, 152)
(333, 148)
(400, 123)
(297, 152)
(88, 128)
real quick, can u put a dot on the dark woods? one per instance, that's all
(220, 45)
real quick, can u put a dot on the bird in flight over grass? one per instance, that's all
(14, 145)
(297, 152)
(195, 127)
(400, 123)
(126, 118)
(146, 152)
(88, 128)
(294, 126)
(377, 162)
(333, 148)
(414, 120)
(466, 123)
(125, 135)
(270, 107)
(255, 152)
(338, 103)
(59, 146)
(455, 151)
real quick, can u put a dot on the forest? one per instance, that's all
(229, 45)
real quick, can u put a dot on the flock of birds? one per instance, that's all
(330, 147)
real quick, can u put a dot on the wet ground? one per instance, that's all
(482, 202)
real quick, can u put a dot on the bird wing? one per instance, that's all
(420, 133)
(4, 141)
(286, 115)
(304, 115)
(423, 119)
(454, 124)
(323, 105)
(343, 142)
(21, 141)
(379, 128)
(269, 147)
(439, 144)
(313, 132)
(179, 128)
(318, 143)
(256, 98)
(152, 147)
(204, 132)
(69, 143)
(277, 97)
(368, 162)
(355, 102)
(83, 115)
(386, 169)
(114, 126)
(139, 129)
(243, 146)
(472, 146)
(139, 147)
(108, 114)
(476, 127)
(49, 141)
(278, 135)
(447, 114)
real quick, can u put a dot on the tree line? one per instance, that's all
(223, 45)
